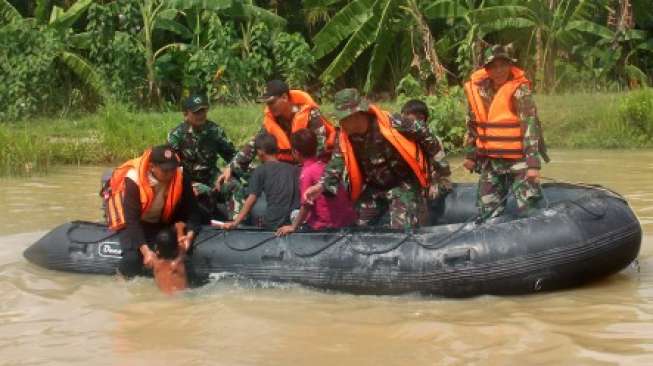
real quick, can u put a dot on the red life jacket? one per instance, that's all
(114, 196)
(409, 151)
(300, 120)
(499, 129)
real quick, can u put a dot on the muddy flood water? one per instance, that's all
(52, 318)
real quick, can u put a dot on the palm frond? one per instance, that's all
(342, 25)
(8, 13)
(384, 40)
(362, 38)
(70, 16)
(85, 72)
(445, 9)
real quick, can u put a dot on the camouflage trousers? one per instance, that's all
(498, 177)
(220, 205)
(405, 206)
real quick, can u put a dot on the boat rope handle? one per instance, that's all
(316, 252)
(226, 242)
(382, 251)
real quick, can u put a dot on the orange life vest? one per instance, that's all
(409, 151)
(499, 131)
(114, 196)
(300, 120)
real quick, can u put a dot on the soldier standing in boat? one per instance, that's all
(504, 139)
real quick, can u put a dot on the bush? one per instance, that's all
(293, 58)
(28, 73)
(636, 110)
(117, 55)
(447, 111)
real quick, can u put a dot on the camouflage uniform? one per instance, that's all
(199, 150)
(390, 184)
(498, 176)
(240, 165)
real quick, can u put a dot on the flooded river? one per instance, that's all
(50, 318)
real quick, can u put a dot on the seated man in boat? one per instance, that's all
(275, 179)
(326, 211)
(286, 111)
(199, 143)
(387, 163)
(504, 141)
(144, 196)
(167, 261)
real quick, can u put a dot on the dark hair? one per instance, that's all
(267, 143)
(166, 244)
(416, 106)
(305, 142)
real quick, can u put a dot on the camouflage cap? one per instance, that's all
(497, 51)
(195, 102)
(349, 101)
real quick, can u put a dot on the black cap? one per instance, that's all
(164, 157)
(195, 102)
(273, 89)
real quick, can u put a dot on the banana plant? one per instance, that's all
(184, 19)
(62, 20)
(371, 24)
(552, 25)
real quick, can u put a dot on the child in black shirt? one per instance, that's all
(279, 182)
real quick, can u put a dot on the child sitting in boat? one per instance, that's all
(167, 261)
(326, 211)
(276, 180)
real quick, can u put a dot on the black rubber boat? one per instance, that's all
(581, 233)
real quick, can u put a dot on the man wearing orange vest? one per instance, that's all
(503, 140)
(386, 162)
(286, 111)
(144, 196)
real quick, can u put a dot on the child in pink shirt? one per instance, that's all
(326, 211)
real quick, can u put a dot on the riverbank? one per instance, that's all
(114, 134)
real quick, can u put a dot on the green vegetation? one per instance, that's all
(114, 133)
(67, 57)
(93, 81)
(609, 120)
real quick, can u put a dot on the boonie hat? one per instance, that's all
(349, 101)
(497, 51)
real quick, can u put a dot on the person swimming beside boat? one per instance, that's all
(144, 196)
(327, 211)
(167, 261)
(276, 180)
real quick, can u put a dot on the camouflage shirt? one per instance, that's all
(241, 163)
(524, 106)
(380, 163)
(199, 149)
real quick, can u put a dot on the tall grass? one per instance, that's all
(112, 135)
(115, 133)
(585, 121)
